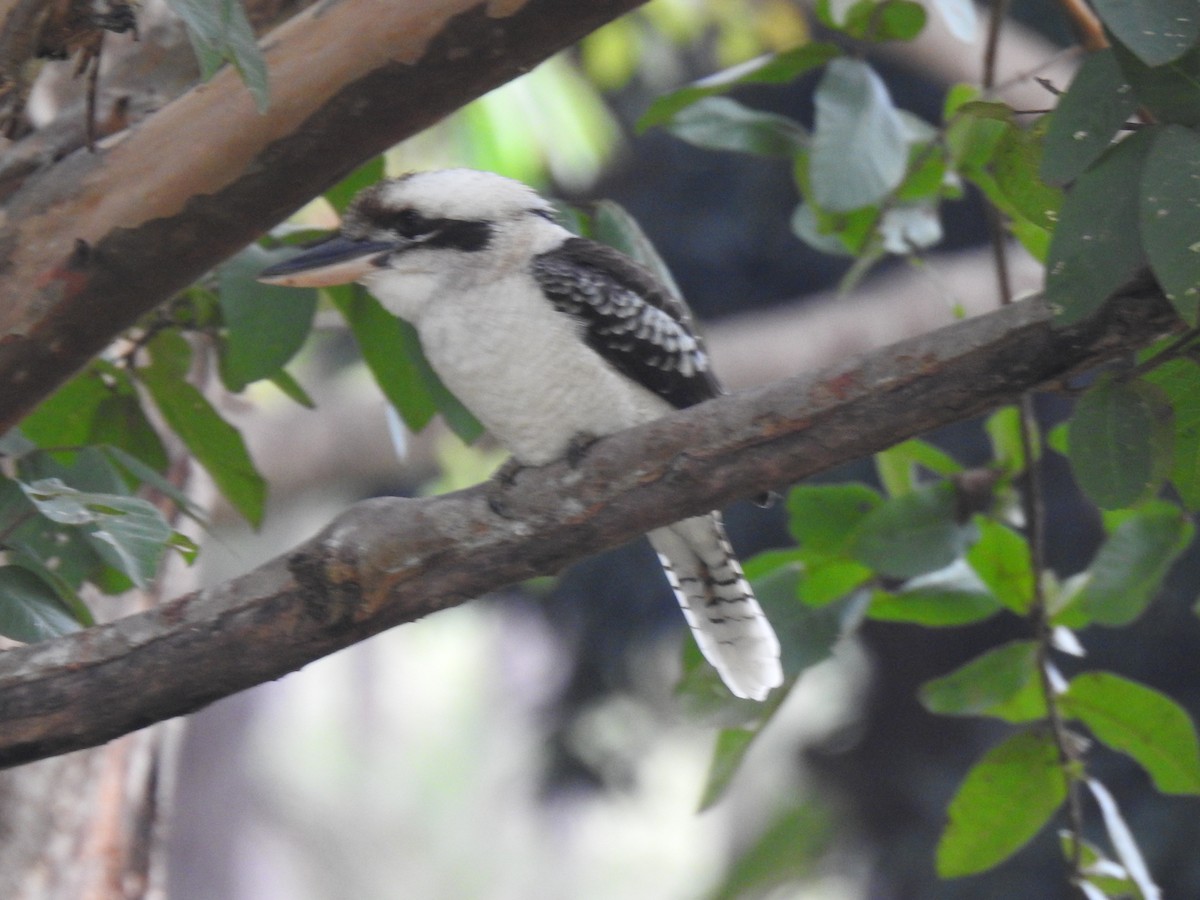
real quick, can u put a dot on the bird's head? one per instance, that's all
(422, 223)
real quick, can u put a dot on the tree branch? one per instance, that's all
(96, 241)
(388, 561)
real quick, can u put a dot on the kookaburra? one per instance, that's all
(547, 338)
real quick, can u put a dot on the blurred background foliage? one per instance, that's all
(530, 744)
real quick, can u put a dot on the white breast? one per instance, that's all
(522, 368)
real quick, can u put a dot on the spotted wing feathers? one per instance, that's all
(630, 318)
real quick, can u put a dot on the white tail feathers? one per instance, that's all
(729, 625)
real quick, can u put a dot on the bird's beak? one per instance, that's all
(336, 260)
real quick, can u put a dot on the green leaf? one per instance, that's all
(67, 596)
(1034, 239)
(611, 55)
(185, 546)
(34, 537)
(787, 850)
(1141, 723)
(807, 634)
(1170, 91)
(831, 580)
(88, 469)
(292, 389)
(457, 417)
(1086, 120)
(1093, 250)
(1170, 216)
(718, 123)
(1121, 441)
(732, 744)
(897, 466)
(823, 518)
(128, 533)
(1002, 160)
(1057, 437)
(66, 417)
(975, 132)
(143, 474)
(1003, 429)
(264, 324)
(30, 610)
(1003, 802)
(1130, 566)
(913, 534)
(859, 143)
(612, 224)
(926, 180)
(958, 96)
(899, 20)
(1002, 560)
(340, 195)
(121, 422)
(1015, 167)
(380, 335)
(838, 234)
(875, 20)
(954, 596)
(1003, 682)
(933, 607)
(1157, 32)
(775, 69)
(220, 32)
(1180, 380)
(214, 443)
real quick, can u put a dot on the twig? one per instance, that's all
(1033, 503)
(1085, 23)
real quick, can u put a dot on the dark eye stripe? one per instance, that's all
(466, 235)
(461, 234)
(408, 223)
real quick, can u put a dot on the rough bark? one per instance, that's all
(389, 561)
(84, 826)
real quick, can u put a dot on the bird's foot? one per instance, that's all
(499, 486)
(578, 448)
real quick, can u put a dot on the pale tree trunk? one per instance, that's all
(87, 825)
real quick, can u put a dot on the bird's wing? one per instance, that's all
(630, 318)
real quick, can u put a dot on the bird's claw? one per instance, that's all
(578, 448)
(500, 484)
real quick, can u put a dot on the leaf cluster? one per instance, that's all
(871, 177)
(934, 549)
(1102, 188)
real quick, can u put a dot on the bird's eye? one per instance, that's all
(409, 223)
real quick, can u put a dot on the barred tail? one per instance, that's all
(729, 625)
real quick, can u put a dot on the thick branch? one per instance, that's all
(98, 240)
(389, 561)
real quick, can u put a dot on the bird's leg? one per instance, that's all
(507, 474)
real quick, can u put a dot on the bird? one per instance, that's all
(550, 340)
